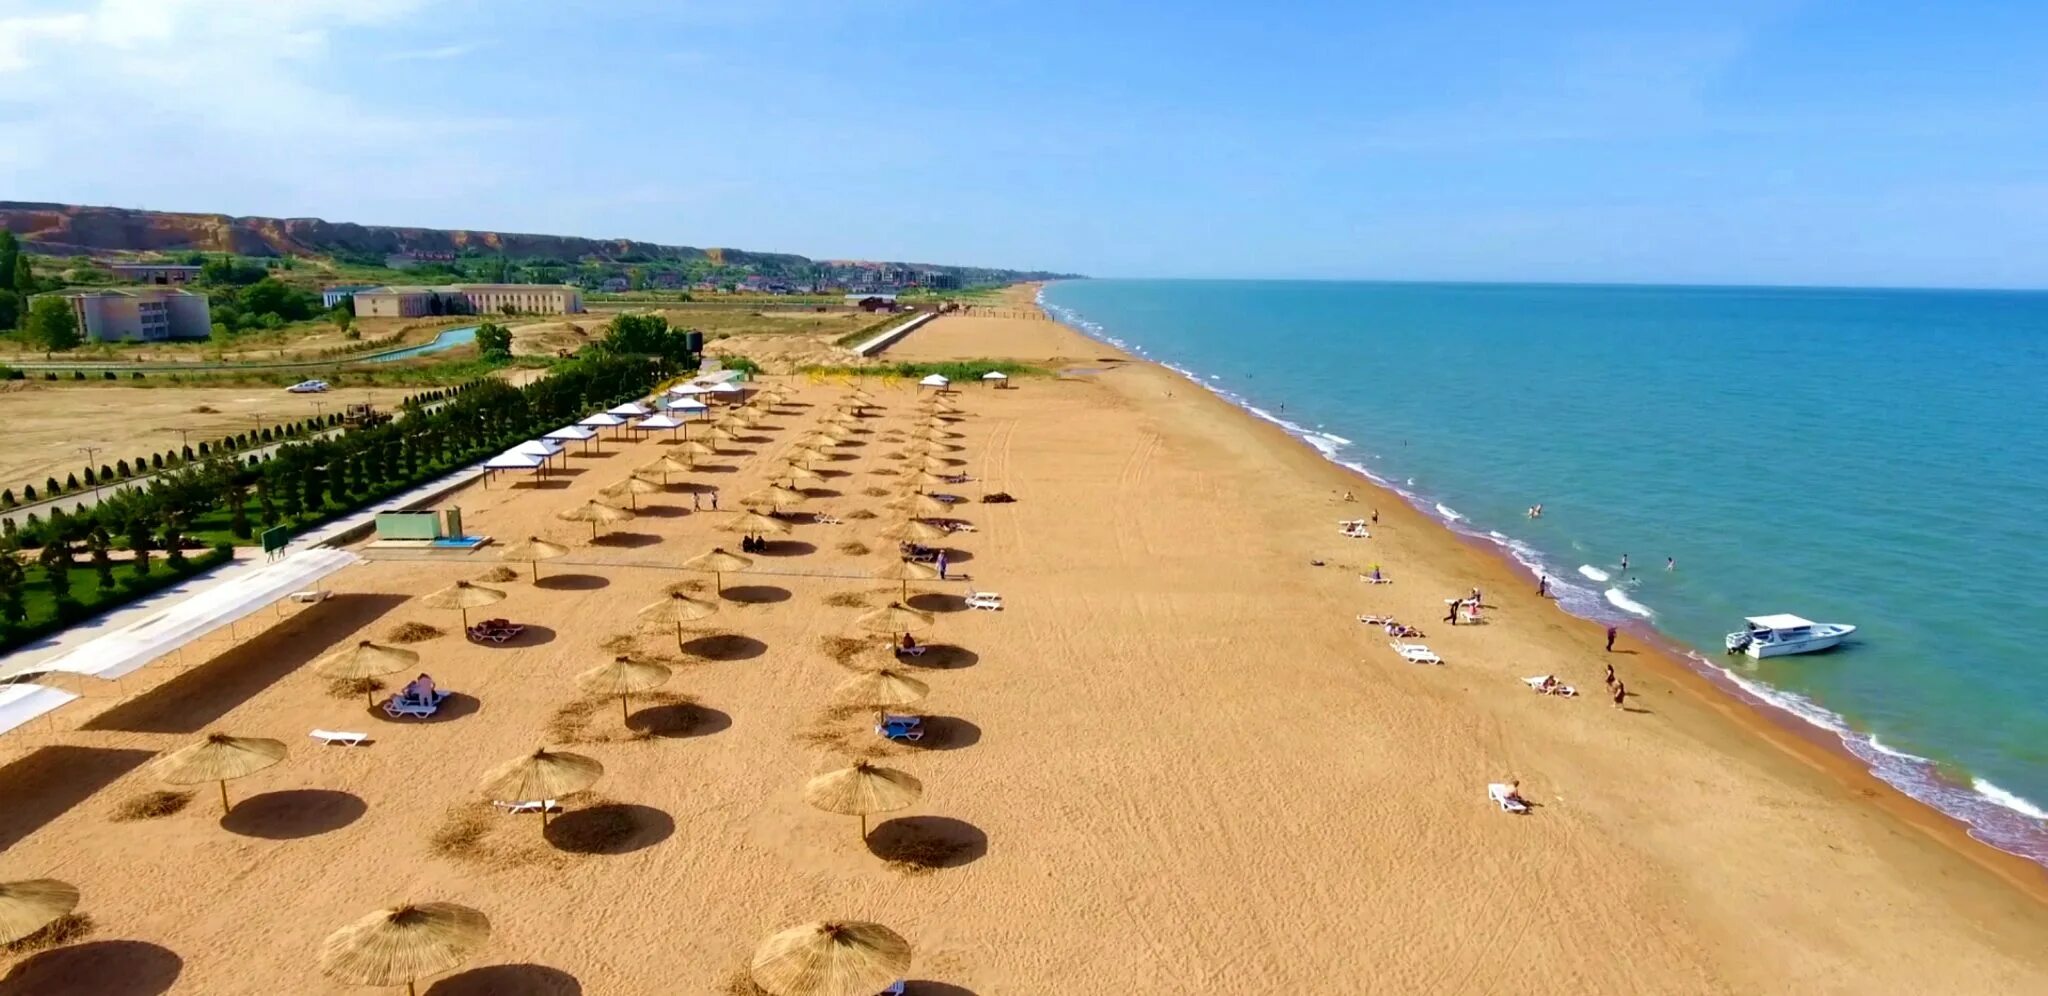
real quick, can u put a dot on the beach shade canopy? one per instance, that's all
(463, 595)
(727, 387)
(894, 618)
(596, 513)
(623, 676)
(631, 489)
(601, 418)
(531, 551)
(907, 571)
(698, 448)
(920, 504)
(685, 390)
(629, 408)
(664, 465)
(543, 774)
(914, 530)
(775, 496)
(538, 447)
(218, 758)
(674, 610)
(403, 944)
(568, 432)
(363, 661)
(994, 375)
(718, 561)
(31, 904)
(754, 524)
(928, 464)
(882, 689)
(691, 405)
(934, 380)
(652, 422)
(510, 460)
(806, 454)
(832, 958)
(861, 790)
(798, 472)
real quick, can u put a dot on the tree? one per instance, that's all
(342, 317)
(13, 579)
(10, 309)
(56, 561)
(24, 282)
(494, 341)
(10, 251)
(51, 326)
(101, 546)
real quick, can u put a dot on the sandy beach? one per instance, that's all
(1175, 762)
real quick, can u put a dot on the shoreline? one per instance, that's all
(1819, 749)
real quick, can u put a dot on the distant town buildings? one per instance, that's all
(468, 299)
(872, 302)
(408, 260)
(331, 296)
(156, 273)
(141, 314)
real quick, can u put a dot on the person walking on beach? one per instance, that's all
(1543, 586)
(1375, 517)
(714, 501)
(1610, 677)
(696, 502)
(1620, 693)
(1452, 617)
(1610, 639)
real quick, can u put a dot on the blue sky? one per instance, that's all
(1818, 143)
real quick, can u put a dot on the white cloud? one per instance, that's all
(218, 104)
(440, 54)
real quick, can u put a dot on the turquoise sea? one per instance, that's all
(1863, 456)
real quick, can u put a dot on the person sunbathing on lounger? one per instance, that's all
(909, 642)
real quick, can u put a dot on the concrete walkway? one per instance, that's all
(247, 559)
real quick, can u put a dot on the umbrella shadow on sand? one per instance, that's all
(927, 843)
(945, 733)
(571, 582)
(508, 980)
(725, 647)
(755, 594)
(294, 813)
(942, 657)
(937, 601)
(677, 720)
(456, 706)
(609, 828)
(95, 968)
(926, 987)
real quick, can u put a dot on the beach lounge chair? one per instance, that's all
(529, 806)
(309, 595)
(1356, 531)
(895, 989)
(1505, 797)
(495, 631)
(1415, 653)
(397, 708)
(909, 728)
(1376, 620)
(959, 527)
(1556, 687)
(827, 520)
(345, 739)
(985, 600)
(1369, 579)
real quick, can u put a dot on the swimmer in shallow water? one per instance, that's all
(1670, 563)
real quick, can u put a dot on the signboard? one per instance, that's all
(274, 539)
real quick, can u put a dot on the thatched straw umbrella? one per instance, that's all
(806, 455)
(532, 550)
(907, 571)
(365, 660)
(623, 676)
(895, 619)
(664, 465)
(926, 479)
(882, 689)
(463, 595)
(916, 530)
(674, 610)
(775, 496)
(861, 790)
(631, 489)
(542, 775)
(755, 524)
(596, 513)
(218, 758)
(697, 448)
(797, 473)
(718, 561)
(919, 504)
(404, 944)
(32, 904)
(832, 958)
(715, 435)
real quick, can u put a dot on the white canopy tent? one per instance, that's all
(601, 419)
(629, 408)
(127, 649)
(726, 388)
(515, 460)
(995, 378)
(653, 422)
(934, 380)
(690, 405)
(568, 432)
(21, 703)
(544, 448)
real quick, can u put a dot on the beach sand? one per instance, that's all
(1175, 763)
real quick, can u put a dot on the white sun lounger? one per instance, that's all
(345, 739)
(985, 600)
(1376, 620)
(418, 710)
(1356, 532)
(1536, 685)
(827, 520)
(1415, 653)
(529, 806)
(1369, 579)
(1502, 795)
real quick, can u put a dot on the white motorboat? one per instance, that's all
(1776, 636)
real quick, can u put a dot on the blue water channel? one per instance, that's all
(448, 339)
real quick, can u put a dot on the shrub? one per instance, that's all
(77, 375)
(109, 375)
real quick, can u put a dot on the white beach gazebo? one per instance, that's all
(515, 460)
(934, 381)
(629, 408)
(577, 432)
(663, 421)
(995, 378)
(602, 419)
(546, 449)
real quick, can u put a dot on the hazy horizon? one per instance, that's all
(1750, 144)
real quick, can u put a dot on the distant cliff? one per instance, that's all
(70, 229)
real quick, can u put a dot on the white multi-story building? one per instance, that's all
(141, 314)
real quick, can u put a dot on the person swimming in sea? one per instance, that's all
(1670, 563)
(1624, 562)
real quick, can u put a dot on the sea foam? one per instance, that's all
(1592, 573)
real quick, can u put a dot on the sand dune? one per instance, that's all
(1175, 763)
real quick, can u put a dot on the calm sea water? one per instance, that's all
(1862, 456)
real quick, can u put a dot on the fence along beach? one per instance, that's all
(1177, 762)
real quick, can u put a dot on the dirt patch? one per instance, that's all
(348, 688)
(860, 514)
(854, 548)
(620, 643)
(847, 599)
(411, 632)
(151, 806)
(844, 650)
(64, 930)
(874, 492)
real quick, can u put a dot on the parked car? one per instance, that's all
(308, 387)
